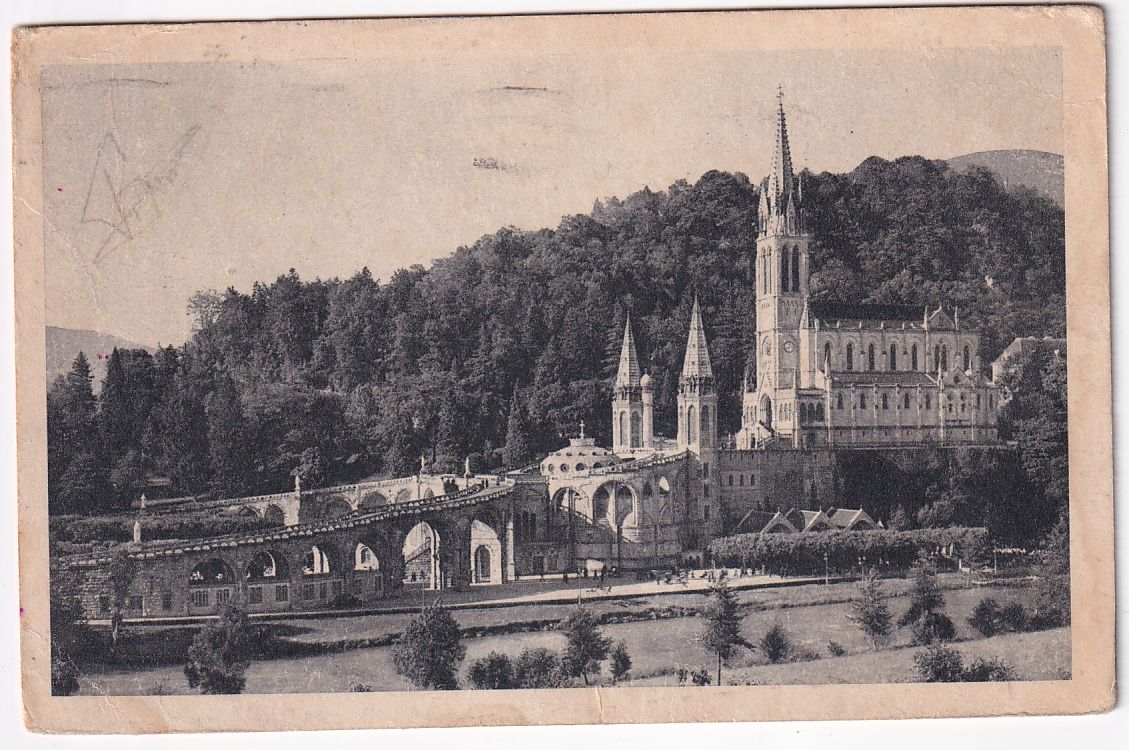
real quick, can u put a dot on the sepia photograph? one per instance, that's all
(511, 361)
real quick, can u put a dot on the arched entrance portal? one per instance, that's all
(421, 557)
(766, 411)
(486, 554)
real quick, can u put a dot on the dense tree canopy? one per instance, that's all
(340, 379)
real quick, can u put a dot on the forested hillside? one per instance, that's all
(501, 349)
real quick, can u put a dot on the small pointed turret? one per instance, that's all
(697, 361)
(629, 373)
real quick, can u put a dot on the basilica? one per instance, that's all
(829, 377)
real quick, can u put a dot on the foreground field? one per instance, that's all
(658, 646)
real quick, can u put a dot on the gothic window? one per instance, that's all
(944, 358)
(764, 268)
(936, 356)
(862, 400)
(913, 358)
(622, 428)
(850, 357)
(977, 400)
(905, 401)
(893, 357)
(928, 401)
(827, 354)
(784, 274)
(636, 430)
(819, 411)
(730, 480)
(691, 426)
(838, 400)
(870, 357)
(705, 418)
(740, 480)
(795, 269)
(885, 402)
(967, 359)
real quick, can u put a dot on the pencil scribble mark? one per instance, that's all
(125, 201)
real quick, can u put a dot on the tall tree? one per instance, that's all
(585, 645)
(519, 441)
(430, 650)
(722, 631)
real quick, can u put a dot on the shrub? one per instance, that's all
(681, 674)
(345, 601)
(934, 627)
(988, 670)
(1013, 618)
(775, 644)
(869, 610)
(621, 662)
(430, 649)
(700, 677)
(985, 617)
(939, 663)
(803, 554)
(492, 672)
(835, 648)
(217, 662)
(360, 687)
(538, 668)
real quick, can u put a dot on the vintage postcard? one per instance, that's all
(564, 369)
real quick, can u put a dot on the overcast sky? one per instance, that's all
(162, 180)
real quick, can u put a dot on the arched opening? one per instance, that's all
(967, 359)
(267, 566)
(320, 560)
(335, 507)
(211, 572)
(372, 500)
(913, 358)
(827, 357)
(893, 357)
(944, 358)
(850, 357)
(364, 558)
(623, 428)
(421, 556)
(870, 357)
(405, 495)
(636, 430)
(482, 567)
(795, 269)
(601, 502)
(428, 493)
(766, 409)
(274, 515)
(784, 273)
(691, 425)
(706, 430)
(624, 504)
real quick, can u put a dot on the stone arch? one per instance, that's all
(485, 553)
(211, 572)
(372, 500)
(249, 511)
(274, 515)
(321, 559)
(335, 506)
(421, 555)
(267, 565)
(405, 495)
(365, 557)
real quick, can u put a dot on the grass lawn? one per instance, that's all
(657, 647)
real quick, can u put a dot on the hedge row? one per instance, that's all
(172, 526)
(803, 554)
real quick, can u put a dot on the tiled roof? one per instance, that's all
(878, 377)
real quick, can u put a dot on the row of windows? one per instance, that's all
(906, 401)
(940, 355)
(789, 271)
(741, 480)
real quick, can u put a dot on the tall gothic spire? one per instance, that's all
(628, 374)
(781, 179)
(780, 209)
(697, 361)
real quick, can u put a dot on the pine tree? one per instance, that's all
(519, 443)
(230, 444)
(722, 634)
(621, 662)
(869, 610)
(217, 658)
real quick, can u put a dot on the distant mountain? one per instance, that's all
(64, 344)
(1039, 170)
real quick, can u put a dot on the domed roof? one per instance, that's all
(646, 380)
(581, 454)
